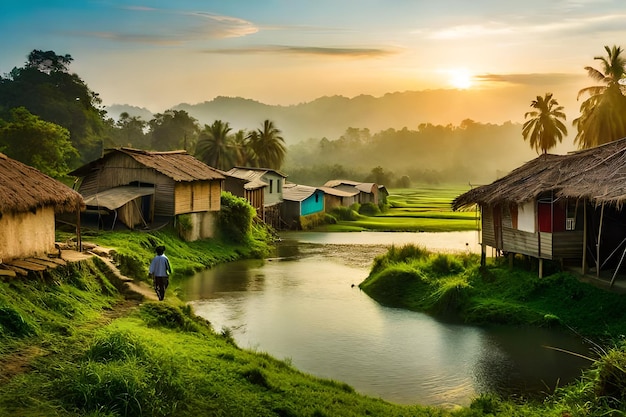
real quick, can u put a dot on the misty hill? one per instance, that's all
(330, 116)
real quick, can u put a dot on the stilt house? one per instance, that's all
(568, 208)
(29, 201)
(142, 188)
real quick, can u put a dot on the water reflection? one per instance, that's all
(301, 305)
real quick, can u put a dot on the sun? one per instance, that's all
(460, 78)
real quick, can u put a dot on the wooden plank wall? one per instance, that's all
(518, 241)
(568, 245)
(488, 234)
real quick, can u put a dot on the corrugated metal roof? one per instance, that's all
(337, 192)
(114, 198)
(295, 192)
(365, 187)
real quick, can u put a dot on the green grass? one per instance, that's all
(420, 209)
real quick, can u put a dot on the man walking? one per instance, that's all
(160, 271)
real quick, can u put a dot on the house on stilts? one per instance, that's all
(29, 204)
(565, 208)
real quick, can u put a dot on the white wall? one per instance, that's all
(526, 216)
(27, 234)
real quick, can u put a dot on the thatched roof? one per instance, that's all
(597, 174)
(177, 165)
(24, 188)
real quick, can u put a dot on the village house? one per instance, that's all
(367, 192)
(28, 204)
(300, 201)
(262, 187)
(143, 188)
(566, 208)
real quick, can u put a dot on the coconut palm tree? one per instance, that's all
(545, 125)
(603, 114)
(244, 156)
(268, 145)
(214, 146)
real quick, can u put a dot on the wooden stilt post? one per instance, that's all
(584, 265)
(540, 267)
(79, 239)
(483, 254)
(598, 243)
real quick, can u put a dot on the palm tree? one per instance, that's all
(268, 146)
(603, 114)
(545, 126)
(244, 156)
(214, 145)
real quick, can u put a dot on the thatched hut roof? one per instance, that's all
(597, 174)
(177, 165)
(24, 188)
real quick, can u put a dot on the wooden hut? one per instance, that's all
(29, 201)
(558, 207)
(300, 201)
(137, 187)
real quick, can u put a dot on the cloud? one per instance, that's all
(170, 27)
(307, 50)
(572, 25)
(534, 79)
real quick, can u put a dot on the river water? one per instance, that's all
(304, 305)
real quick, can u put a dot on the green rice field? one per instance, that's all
(423, 209)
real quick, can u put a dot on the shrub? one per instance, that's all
(345, 213)
(369, 209)
(235, 218)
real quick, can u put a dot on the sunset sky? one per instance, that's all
(158, 53)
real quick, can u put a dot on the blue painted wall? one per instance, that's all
(313, 204)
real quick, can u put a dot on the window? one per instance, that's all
(271, 186)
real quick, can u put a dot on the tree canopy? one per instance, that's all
(35, 142)
(46, 88)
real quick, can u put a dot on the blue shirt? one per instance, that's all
(160, 266)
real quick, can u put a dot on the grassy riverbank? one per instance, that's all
(73, 342)
(455, 287)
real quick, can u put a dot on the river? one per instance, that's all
(304, 305)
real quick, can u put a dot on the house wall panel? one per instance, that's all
(488, 234)
(27, 234)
